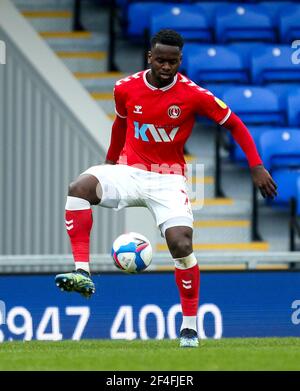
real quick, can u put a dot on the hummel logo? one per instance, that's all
(138, 110)
(187, 284)
(69, 224)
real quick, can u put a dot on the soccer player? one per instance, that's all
(145, 166)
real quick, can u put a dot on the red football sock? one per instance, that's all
(188, 282)
(79, 224)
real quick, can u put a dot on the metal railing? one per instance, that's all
(161, 262)
(111, 33)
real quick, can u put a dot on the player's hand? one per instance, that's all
(109, 162)
(263, 181)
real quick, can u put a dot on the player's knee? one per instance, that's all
(181, 247)
(77, 189)
(83, 189)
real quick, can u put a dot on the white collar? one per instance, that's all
(155, 88)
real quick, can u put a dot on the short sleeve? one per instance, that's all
(208, 105)
(120, 102)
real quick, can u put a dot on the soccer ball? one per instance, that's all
(131, 252)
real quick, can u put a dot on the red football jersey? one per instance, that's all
(160, 120)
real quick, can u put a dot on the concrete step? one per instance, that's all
(225, 247)
(75, 40)
(84, 61)
(105, 101)
(196, 164)
(49, 20)
(44, 4)
(202, 173)
(217, 207)
(99, 81)
(199, 185)
(220, 231)
(111, 116)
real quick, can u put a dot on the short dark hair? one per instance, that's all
(167, 37)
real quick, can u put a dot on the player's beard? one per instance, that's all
(163, 80)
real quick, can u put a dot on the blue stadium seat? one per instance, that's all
(293, 108)
(244, 22)
(209, 8)
(286, 180)
(258, 107)
(188, 49)
(245, 49)
(215, 64)
(218, 89)
(280, 149)
(255, 105)
(282, 90)
(280, 152)
(187, 20)
(298, 196)
(139, 18)
(273, 64)
(134, 15)
(274, 9)
(237, 154)
(289, 26)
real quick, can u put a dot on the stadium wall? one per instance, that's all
(50, 131)
(146, 306)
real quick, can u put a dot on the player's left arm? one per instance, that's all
(260, 176)
(218, 111)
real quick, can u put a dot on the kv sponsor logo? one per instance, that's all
(2, 53)
(158, 134)
(296, 54)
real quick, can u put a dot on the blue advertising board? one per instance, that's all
(146, 306)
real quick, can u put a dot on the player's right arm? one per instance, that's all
(119, 127)
(117, 140)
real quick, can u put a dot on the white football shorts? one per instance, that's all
(165, 195)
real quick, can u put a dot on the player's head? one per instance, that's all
(165, 56)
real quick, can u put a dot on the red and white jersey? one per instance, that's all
(160, 120)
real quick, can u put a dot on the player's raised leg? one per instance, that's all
(187, 275)
(79, 220)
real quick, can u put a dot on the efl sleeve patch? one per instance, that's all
(221, 103)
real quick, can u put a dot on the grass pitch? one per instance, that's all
(226, 354)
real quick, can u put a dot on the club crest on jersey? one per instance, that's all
(174, 111)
